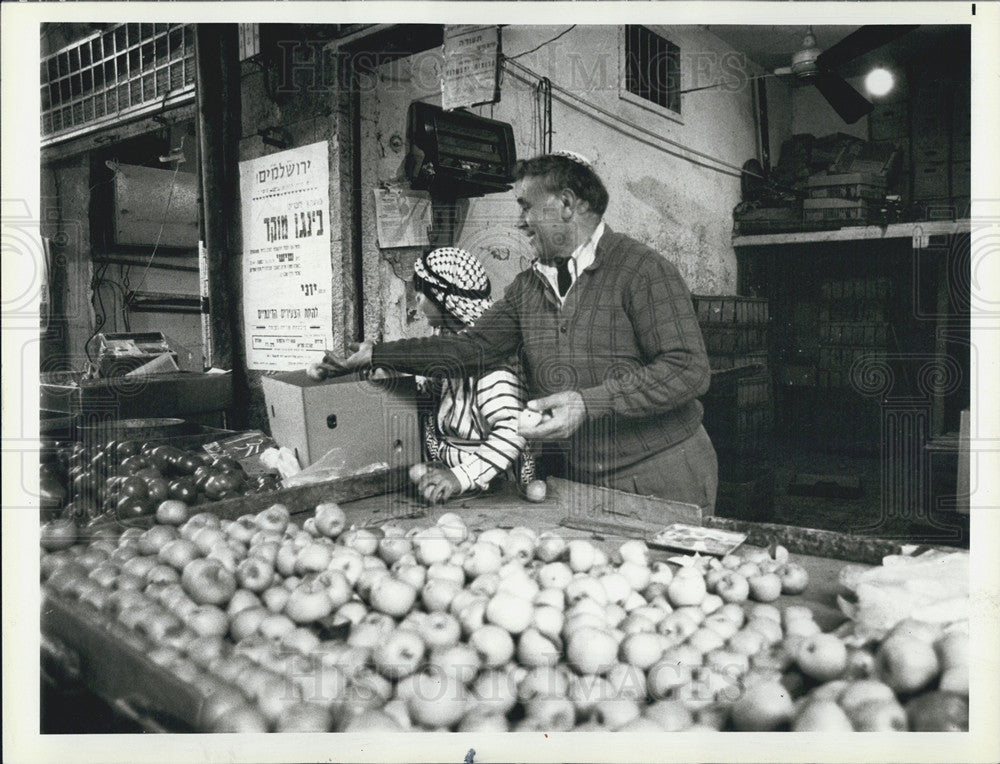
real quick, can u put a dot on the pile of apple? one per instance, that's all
(315, 627)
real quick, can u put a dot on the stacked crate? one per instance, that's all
(853, 323)
(931, 126)
(734, 328)
(739, 406)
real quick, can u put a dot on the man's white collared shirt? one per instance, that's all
(579, 261)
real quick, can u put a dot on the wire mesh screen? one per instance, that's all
(113, 72)
(652, 67)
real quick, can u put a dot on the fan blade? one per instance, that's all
(845, 100)
(861, 41)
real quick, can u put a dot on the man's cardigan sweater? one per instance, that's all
(626, 338)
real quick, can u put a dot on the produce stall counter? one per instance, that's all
(198, 660)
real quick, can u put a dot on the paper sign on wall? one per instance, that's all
(402, 218)
(287, 272)
(469, 74)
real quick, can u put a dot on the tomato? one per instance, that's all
(183, 489)
(148, 472)
(159, 457)
(219, 484)
(126, 449)
(134, 486)
(85, 484)
(227, 463)
(187, 464)
(157, 489)
(132, 464)
(201, 476)
(132, 507)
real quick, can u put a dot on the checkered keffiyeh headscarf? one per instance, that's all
(456, 281)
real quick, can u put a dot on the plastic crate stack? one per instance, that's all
(739, 406)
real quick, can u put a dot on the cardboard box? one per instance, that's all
(367, 421)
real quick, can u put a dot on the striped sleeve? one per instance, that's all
(500, 397)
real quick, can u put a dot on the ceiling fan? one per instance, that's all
(817, 67)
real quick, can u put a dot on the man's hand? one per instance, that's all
(568, 412)
(438, 485)
(360, 358)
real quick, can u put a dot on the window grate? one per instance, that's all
(652, 67)
(114, 72)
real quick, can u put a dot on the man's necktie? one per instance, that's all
(564, 279)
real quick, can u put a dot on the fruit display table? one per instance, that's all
(240, 617)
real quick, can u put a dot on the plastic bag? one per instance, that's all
(933, 587)
(245, 448)
(330, 466)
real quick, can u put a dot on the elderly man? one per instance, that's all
(613, 354)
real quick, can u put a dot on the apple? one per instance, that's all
(762, 707)
(687, 588)
(162, 574)
(348, 562)
(309, 602)
(953, 649)
(917, 629)
(369, 577)
(477, 720)
(454, 527)
(822, 716)
(551, 596)
(586, 587)
(555, 575)
(726, 661)
(878, 716)
(537, 649)
(417, 471)
(528, 419)
(241, 600)
(483, 557)
(550, 681)
(493, 645)
(393, 597)
(591, 651)
(669, 715)
(641, 649)
(487, 584)
(822, 657)
(399, 655)
(415, 575)
(861, 691)
(458, 661)
(394, 548)
(677, 625)
(582, 555)
(172, 512)
(616, 713)
(432, 545)
(765, 587)
(494, 691)
(361, 540)
(705, 640)
(439, 630)
(732, 587)
(746, 641)
(794, 578)
(955, 679)
(275, 518)
(907, 664)
(447, 572)
(437, 594)
(549, 713)
(208, 621)
(721, 625)
(243, 719)
(437, 700)
(938, 711)
(254, 574)
(207, 582)
(510, 612)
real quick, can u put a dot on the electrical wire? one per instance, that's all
(163, 222)
(538, 47)
(615, 121)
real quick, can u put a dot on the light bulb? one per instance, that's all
(879, 82)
